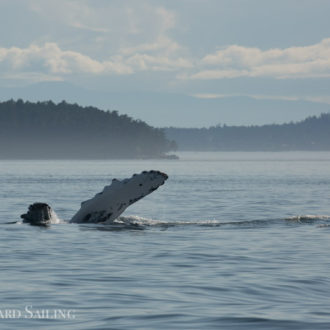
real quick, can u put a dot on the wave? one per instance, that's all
(151, 222)
(308, 217)
(140, 223)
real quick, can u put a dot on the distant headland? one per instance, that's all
(45, 130)
(311, 134)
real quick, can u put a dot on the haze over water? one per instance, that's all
(210, 249)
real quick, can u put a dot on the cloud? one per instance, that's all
(238, 61)
(157, 63)
(253, 96)
(317, 99)
(165, 54)
(126, 25)
(89, 28)
(108, 37)
(162, 43)
(30, 77)
(50, 58)
(72, 13)
(122, 38)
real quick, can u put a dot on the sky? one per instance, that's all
(171, 63)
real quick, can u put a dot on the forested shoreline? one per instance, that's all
(313, 133)
(45, 130)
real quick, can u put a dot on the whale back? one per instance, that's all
(109, 204)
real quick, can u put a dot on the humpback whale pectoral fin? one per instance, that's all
(115, 198)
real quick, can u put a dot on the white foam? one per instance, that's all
(55, 219)
(137, 220)
(308, 217)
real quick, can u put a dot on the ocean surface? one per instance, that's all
(231, 241)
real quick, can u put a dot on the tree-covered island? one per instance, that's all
(45, 130)
(313, 133)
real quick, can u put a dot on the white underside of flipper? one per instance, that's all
(108, 205)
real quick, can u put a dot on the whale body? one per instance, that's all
(105, 206)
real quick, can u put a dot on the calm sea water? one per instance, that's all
(221, 255)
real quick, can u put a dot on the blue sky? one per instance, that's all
(164, 55)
